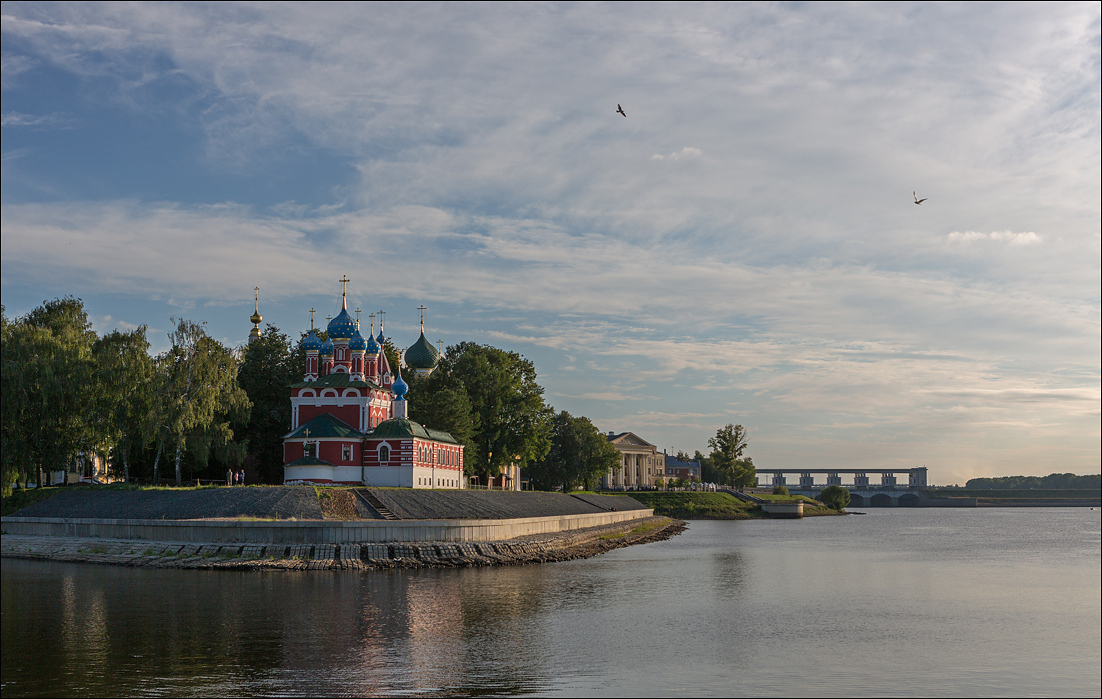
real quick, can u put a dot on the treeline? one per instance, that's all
(69, 394)
(726, 463)
(1053, 481)
(200, 408)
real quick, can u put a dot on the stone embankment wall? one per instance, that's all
(315, 532)
(344, 556)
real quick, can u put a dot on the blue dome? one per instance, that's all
(341, 327)
(379, 339)
(357, 343)
(327, 348)
(311, 343)
(372, 346)
(399, 388)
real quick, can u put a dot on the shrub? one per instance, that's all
(835, 497)
(782, 490)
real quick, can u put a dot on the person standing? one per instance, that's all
(229, 476)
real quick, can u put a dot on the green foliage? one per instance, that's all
(508, 416)
(124, 410)
(441, 403)
(690, 505)
(727, 447)
(579, 455)
(49, 381)
(835, 497)
(1053, 481)
(268, 366)
(15, 501)
(199, 397)
(780, 490)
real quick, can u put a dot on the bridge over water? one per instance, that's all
(863, 489)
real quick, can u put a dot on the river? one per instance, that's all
(909, 602)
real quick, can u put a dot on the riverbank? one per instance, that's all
(548, 548)
(697, 505)
(298, 503)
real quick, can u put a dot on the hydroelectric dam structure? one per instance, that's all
(861, 483)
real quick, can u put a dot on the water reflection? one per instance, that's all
(754, 607)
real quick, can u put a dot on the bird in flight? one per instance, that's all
(620, 109)
(917, 200)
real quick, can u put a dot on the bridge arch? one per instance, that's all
(856, 500)
(907, 500)
(881, 500)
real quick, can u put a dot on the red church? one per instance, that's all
(349, 423)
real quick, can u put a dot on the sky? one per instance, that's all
(743, 247)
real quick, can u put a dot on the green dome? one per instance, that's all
(421, 354)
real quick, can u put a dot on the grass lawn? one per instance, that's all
(689, 505)
(24, 498)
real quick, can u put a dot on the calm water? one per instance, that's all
(903, 602)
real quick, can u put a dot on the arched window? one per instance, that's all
(384, 453)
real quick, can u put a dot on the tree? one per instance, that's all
(727, 448)
(199, 397)
(48, 382)
(509, 417)
(745, 473)
(123, 411)
(835, 497)
(269, 365)
(780, 490)
(436, 402)
(579, 455)
(708, 471)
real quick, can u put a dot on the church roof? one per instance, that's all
(338, 380)
(357, 343)
(311, 342)
(421, 354)
(325, 426)
(402, 428)
(342, 326)
(309, 461)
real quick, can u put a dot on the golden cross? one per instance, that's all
(312, 318)
(344, 283)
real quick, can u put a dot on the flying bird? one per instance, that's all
(917, 200)
(620, 109)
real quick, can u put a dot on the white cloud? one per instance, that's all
(780, 263)
(1008, 237)
(684, 154)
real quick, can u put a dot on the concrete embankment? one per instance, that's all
(560, 546)
(282, 503)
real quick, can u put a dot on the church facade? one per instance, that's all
(349, 415)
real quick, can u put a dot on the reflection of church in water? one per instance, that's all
(349, 417)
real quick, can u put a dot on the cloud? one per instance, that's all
(683, 154)
(775, 270)
(1008, 237)
(13, 65)
(52, 121)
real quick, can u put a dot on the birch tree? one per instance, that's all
(198, 395)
